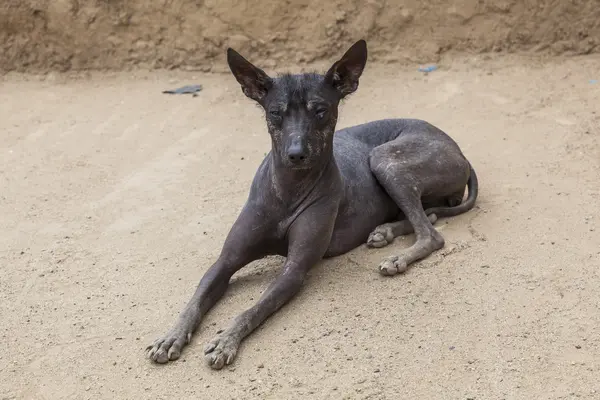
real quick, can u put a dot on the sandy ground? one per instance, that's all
(116, 198)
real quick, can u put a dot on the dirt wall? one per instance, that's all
(43, 35)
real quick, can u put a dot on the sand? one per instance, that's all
(116, 198)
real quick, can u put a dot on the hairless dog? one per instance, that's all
(321, 193)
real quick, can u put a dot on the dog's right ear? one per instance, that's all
(344, 74)
(255, 82)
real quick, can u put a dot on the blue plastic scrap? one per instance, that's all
(428, 68)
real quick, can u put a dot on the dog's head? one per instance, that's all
(301, 110)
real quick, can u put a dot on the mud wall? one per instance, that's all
(44, 35)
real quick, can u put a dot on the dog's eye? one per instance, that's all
(321, 112)
(275, 114)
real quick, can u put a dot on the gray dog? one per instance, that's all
(321, 193)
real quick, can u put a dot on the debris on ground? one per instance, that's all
(428, 68)
(185, 89)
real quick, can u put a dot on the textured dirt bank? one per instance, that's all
(44, 35)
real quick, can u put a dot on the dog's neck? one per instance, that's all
(294, 185)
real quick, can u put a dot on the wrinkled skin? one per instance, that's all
(320, 193)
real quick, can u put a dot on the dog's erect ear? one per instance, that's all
(344, 74)
(255, 82)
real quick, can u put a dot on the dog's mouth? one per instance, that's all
(300, 167)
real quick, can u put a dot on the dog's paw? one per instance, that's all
(221, 350)
(380, 237)
(169, 347)
(392, 266)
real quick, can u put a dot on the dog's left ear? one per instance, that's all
(344, 74)
(255, 82)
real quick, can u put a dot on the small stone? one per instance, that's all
(295, 382)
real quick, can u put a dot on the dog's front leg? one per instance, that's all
(309, 237)
(244, 244)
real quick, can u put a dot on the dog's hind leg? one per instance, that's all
(411, 168)
(386, 233)
(428, 239)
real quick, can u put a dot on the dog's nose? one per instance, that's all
(296, 153)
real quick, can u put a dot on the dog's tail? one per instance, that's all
(472, 186)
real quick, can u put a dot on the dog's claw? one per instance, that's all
(159, 355)
(392, 266)
(210, 347)
(174, 353)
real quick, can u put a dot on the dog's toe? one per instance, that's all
(380, 237)
(168, 348)
(221, 350)
(392, 266)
